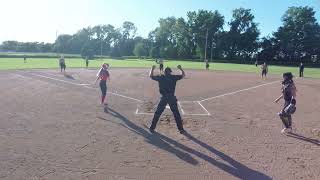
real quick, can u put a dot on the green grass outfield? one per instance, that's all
(33, 63)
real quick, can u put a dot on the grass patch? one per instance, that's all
(34, 63)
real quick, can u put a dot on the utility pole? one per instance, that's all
(56, 41)
(101, 49)
(205, 50)
(211, 49)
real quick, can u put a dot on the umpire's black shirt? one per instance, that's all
(167, 84)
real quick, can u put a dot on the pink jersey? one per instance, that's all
(103, 74)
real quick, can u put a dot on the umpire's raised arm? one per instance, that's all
(182, 71)
(151, 71)
(153, 77)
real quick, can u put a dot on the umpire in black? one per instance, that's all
(167, 86)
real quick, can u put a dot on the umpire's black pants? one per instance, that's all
(172, 101)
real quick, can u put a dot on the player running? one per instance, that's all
(264, 69)
(103, 75)
(62, 64)
(167, 86)
(289, 95)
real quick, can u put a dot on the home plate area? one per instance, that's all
(186, 108)
(189, 110)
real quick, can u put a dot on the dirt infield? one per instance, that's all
(52, 127)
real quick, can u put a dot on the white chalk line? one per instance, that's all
(151, 114)
(86, 86)
(204, 108)
(127, 97)
(182, 111)
(194, 114)
(131, 98)
(189, 101)
(77, 84)
(57, 75)
(235, 92)
(25, 77)
(142, 113)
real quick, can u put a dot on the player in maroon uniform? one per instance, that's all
(103, 75)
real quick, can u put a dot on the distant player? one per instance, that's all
(301, 70)
(264, 70)
(207, 65)
(289, 95)
(24, 59)
(167, 87)
(87, 62)
(103, 75)
(160, 62)
(257, 58)
(62, 64)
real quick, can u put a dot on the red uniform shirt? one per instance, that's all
(104, 74)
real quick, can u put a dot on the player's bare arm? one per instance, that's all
(278, 99)
(151, 71)
(95, 82)
(294, 91)
(98, 77)
(182, 71)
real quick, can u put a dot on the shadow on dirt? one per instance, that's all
(152, 139)
(303, 138)
(69, 76)
(183, 152)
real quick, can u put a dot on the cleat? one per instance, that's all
(151, 130)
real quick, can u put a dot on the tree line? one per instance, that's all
(200, 36)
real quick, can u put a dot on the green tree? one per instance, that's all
(10, 45)
(154, 52)
(62, 44)
(140, 50)
(116, 46)
(242, 38)
(87, 50)
(269, 49)
(182, 33)
(164, 37)
(126, 43)
(299, 36)
(202, 22)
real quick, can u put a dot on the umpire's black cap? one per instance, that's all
(167, 71)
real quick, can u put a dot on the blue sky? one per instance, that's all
(38, 20)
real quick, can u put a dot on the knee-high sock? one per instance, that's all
(102, 99)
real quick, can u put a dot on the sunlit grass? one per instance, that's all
(18, 63)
